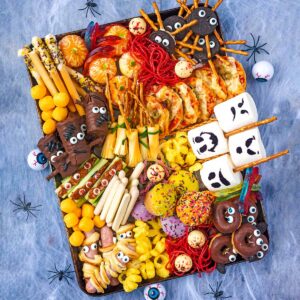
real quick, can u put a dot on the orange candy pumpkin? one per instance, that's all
(74, 50)
(100, 67)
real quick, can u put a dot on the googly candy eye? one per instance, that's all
(250, 219)
(102, 110)
(125, 259)
(83, 127)
(229, 219)
(252, 209)
(80, 136)
(67, 185)
(257, 232)
(265, 247)
(129, 234)
(96, 191)
(169, 27)
(76, 176)
(165, 42)
(73, 140)
(260, 254)
(212, 44)
(123, 235)
(85, 249)
(231, 210)
(94, 246)
(202, 13)
(120, 255)
(232, 258)
(177, 25)
(52, 158)
(95, 110)
(155, 291)
(158, 39)
(259, 242)
(201, 41)
(213, 21)
(59, 153)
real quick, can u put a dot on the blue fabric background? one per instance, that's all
(29, 249)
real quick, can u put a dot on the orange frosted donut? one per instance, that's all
(100, 67)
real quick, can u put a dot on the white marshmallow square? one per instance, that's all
(217, 174)
(246, 147)
(208, 140)
(236, 112)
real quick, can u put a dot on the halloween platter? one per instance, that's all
(154, 147)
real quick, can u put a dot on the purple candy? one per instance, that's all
(173, 227)
(140, 212)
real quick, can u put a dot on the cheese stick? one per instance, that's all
(121, 211)
(134, 194)
(137, 171)
(122, 174)
(133, 182)
(108, 190)
(121, 146)
(153, 136)
(110, 142)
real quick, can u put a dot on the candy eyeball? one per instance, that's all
(94, 246)
(137, 26)
(73, 140)
(260, 254)
(265, 247)
(257, 232)
(232, 258)
(36, 160)
(83, 127)
(158, 39)
(250, 219)
(155, 291)
(85, 249)
(95, 110)
(129, 234)
(259, 242)
(184, 69)
(125, 259)
(202, 13)
(120, 255)
(229, 219)
(231, 210)
(102, 110)
(262, 71)
(80, 136)
(252, 209)
(122, 236)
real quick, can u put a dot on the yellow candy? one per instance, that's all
(171, 155)
(46, 115)
(161, 261)
(130, 286)
(184, 150)
(134, 278)
(71, 220)
(132, 271)
(153, 232)
(46, 103)
(195, 167)
(87, 210)
(182, 140)
(77, 212)
(38, 91)
(190, 158)
(98, 222)
(143, 271)
(134, 264)
(68, 205)
(179, 160)
(155, 223)
(61, 99)
(145, 256)
(76, 239)
(60, 114)
(122, 277)
(76, 228)
(180, 134)
(86, 224)
(163, 273)
(150, 269)
(175, 166)
(49, 126)
(157, 239)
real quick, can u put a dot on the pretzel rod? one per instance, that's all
(206, 3)
(158, 16)
(217, 5)
(141, 105)
(212, 66)
(189, 46)
(207, 47)
(108, 96)
(186, 38)
(237, 42)
(234, 51)
(142, 100)
(180, 53)
(220, 40)
(194, 44)
(181, 10)
(124, 116)
(202, 161)
(261, 161)
(195, 4)
(78, 88)
(148, 20)
(184, 27)
(250, 126)
(183, 5)
(39, 67)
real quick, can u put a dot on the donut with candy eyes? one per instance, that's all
(226, 217)
(173, 23)
(252, 214)
(214, 46)
(248, 240)
(221, 249)
(164, 39)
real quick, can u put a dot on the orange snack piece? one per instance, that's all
(100, 67)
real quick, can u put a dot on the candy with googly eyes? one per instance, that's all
(184, 69)
(36, 160)
(262, 71)
(155, 291)
(137, 26)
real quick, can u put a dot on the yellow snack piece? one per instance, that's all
(38, 92)
(49, 126)
(157, 238)
(145, 256)
(68, 205)
(77, 212)
(180, 134)
(76, 228)
(161, 261)
(150, 269)
(46, 115)
(155, 224)
(195, 167)
(175, 166)
(76, 238)
(184, 150)
(46, 103)
(163, 273)
(134, 264)
(122, 277)
(132, 271)
(86, 224)
(71, 220)
(179, 159)
(87, 210)
(98, 222)
(130, 286)
(60, 114)
(134, 278)
(61, 99)
(143, 271)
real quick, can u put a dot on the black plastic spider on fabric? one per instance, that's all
(90, 6)
(60, 274)
(256, 48)
(217, 294)
(25, 206)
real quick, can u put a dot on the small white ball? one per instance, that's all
(137, 26)
(184, 69)
(263, 71)
(36, 160)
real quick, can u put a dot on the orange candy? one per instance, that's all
(100, 67)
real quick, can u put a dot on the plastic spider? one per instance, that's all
(255, 48)
(90, 6)
(217, 294)
(60, 274)
(25, 206)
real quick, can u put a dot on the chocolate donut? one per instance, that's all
(164, 39)
(214, 48)
(221, 249)
(173, 23)
(226, 217)
(248, 240)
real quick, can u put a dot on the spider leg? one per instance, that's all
(250, 55)
(265, 51)
(53, 279)
(211, 288)
(18, 208)
(226, 297)
(216, 5)
(92, 11)
(68, 267)
(54, 275)
(82, 8)
(17, 204)
(30, 212)
(24, 200)
(50, 271)
(253, 38)
(66, 278)
(87, 12)
(96, 12)
(209, 293)
(206, 3)
(219, 285)
(234, 51)
(254, 55)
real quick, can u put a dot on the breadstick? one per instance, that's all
(122, 174)
(137, 171)
(121, 211)
(134, 194)
(79, 89)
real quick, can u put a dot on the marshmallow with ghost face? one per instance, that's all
(236, 112)
(217, 174)
(246, 147)
(207, 140)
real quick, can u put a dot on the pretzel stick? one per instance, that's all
(206, 3)
(195, 44)
(217, 5)
(212, 66)
(195, 4)
(148, 20)
(234, 51)
(183, 5)
(250, 126)
(184, 27)
(202, 161)
(189, 46)
(260, 161)
(238, 42)
(39, 67)
(108, 96)
(220, 40)
(159, 20)
(124, 116)
(187, 58)
(181, 10)
(186, 38)
(207, 47)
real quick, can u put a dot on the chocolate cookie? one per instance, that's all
(175, 22)
(164, 39)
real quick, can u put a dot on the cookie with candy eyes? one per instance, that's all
(207, 21)
(214, 46)
(164, 39)
(173, 23)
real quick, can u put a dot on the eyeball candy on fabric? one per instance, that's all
(137, 26)
(173, 227)
(183, 263)
(196, 239)
(155, 291)
(36, 160)
(184, 69)
(262, 71)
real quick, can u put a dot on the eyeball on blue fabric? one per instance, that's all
(263, 71)
(36, 160)
(155, 291)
